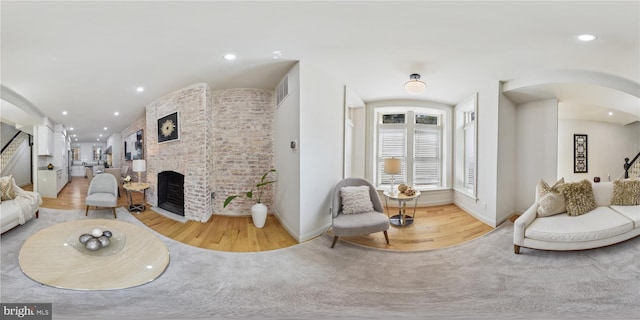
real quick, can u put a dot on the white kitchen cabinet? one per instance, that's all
(48, 182)
(45, 141)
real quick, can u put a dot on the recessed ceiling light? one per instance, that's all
(229, 56)
(277, 54)
(64, 113)
(610, 113)
(116, 113)
(98, 139)
(586, 37)
(71, 129)
(76, 139)
(105, 128)
(140, 89)
(74, 136)
(100, 135)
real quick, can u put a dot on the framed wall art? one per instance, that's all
(133, 149)
(580, 153)
(168, 128)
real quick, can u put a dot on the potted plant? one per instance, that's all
(258, 210)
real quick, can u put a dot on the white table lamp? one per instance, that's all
(139, 166)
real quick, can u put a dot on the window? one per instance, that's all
(414, 135)
(466, 147)
(75, 151)
(469, 151)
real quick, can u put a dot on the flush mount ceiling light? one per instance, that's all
(415, 85)
(229, 56)
(140, 89)
(586, 37)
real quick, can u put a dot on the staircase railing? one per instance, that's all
(9, 143)
(628, 165)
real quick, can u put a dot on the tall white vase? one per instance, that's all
(259, 214)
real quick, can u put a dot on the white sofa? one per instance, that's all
(19, 210)
(607, 224)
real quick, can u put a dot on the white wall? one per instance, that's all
(321, 146)
(312, 115)
(634, 128)
(286, 128)
(607, 146)
(6, 133)
(20, 165)
(536, 148)
(507, 165)
(356, 108)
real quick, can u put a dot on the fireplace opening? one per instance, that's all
(171, 192)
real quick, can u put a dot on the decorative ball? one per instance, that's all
(107, 234)
(96, 232)
(402, 187)
(104, 241)
(93, 244)
(84, 238)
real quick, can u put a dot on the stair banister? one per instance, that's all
(628, 165)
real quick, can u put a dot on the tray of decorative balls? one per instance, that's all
(406, 190)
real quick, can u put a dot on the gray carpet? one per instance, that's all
(481, 279)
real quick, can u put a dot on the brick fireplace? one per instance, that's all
(190, 155)
(225, 145)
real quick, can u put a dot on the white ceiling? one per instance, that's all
(88, 57)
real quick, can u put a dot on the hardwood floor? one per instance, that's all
(434, 227)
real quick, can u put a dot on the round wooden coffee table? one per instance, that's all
(54, 256)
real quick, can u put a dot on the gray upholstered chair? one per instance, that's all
(103, 192)
(358, 223)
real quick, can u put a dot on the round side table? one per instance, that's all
(137, 187)
(401, 219)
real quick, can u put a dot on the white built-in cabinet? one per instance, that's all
(45, 141)
(50, 182)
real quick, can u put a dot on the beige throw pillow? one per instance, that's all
(579, 197)
(6, 188)
(356, 200)
(626, 192)
(550, 198)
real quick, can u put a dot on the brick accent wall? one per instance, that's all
(225, 146)
(191, 155)
(243, 144)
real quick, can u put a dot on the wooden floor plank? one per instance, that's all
(434, 227)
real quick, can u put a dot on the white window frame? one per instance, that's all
(465, 182)
(408, 158)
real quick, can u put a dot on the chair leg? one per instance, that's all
(386, 236)
(114, 213)
(86, 213)
(516, 249)
(335, 239)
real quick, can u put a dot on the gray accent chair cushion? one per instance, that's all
(359, 223)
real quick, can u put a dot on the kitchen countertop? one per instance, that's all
(56, 168)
